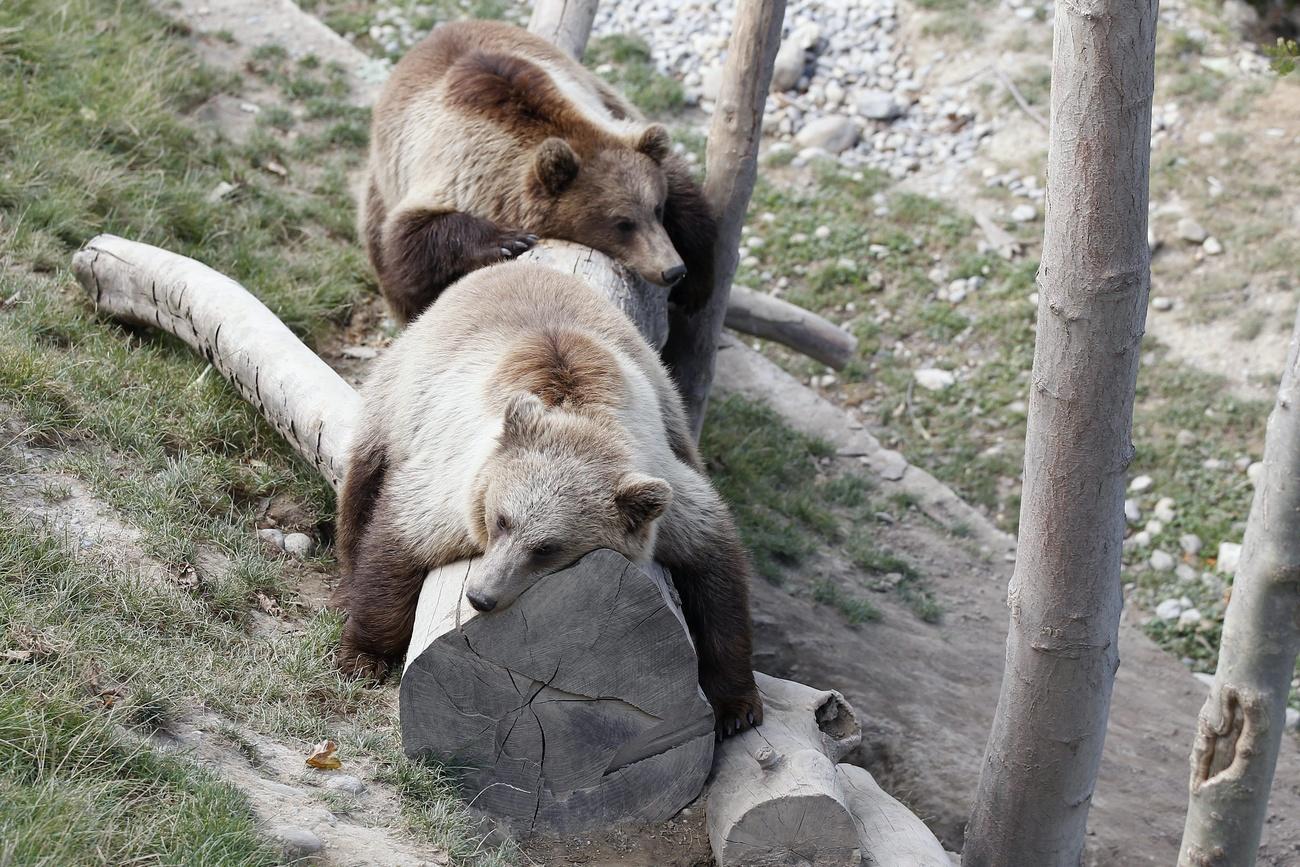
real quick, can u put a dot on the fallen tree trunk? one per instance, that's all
(780, 793)
(568, 721)
(770, 318)
(1239, 730)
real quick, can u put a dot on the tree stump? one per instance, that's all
(575, 708)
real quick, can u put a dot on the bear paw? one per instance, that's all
(734, 714)
(508, 245)
(359, 665)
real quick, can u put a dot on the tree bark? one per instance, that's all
(566, 23)
(1045, 747)
(1239, 730)
(730, 168)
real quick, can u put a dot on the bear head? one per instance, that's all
(556, 487)
(612, 200)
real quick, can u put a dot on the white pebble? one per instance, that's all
(1190, 543)
(1140, 484)
(1169, 609)
(1165, 509)
(272, 536)
(1229, 557)
(1189, 618)
(934, 379)
(1162, 561)
(299, 544)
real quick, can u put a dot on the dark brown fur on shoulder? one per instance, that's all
(564, 368)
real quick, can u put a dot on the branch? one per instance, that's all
(565, 23)
(803, 331)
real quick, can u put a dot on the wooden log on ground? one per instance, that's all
(579, 705)
(770, 318)
(575, 708)
(779, 794)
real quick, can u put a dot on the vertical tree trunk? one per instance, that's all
(730, 167)
(1045, 747)
(1240, 727)
(566, 23)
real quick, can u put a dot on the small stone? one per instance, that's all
(1162, 303)
(788, 67)
(361, 353)
(1154, 527)
(1132, 513)
(1292, 719)
(878, 105)
(1255, 471)
(1191, 231)
(1189, 618)
(934, 379)
(1204, 677)
(299, 544)
(345, 783)
(1212, 247)
(272, 537)
(1169, 609)
(1024, 213)
(1185, 438)
(220, 191)
(1162, 561)
(297, 842)
(1185, 573)
(1165, 509)
(711, 83)
(821, 233)
(1140, 484)
(834, 134)
(1190, 543)
(1229, 557)
(1140, 539)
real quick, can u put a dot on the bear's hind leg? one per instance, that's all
(424, 251)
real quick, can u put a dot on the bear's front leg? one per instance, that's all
(424, 251)
(710, 570)
(380, 593)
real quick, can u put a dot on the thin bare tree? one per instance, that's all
(566, 23)
(731, 164)
(1062, 646)
(1239, 730)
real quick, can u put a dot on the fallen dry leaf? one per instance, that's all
(322, 756)
(19, 656)
(269, 606)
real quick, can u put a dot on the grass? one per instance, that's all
(625, 62)
(98, 136)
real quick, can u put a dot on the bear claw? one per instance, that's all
(734, 715)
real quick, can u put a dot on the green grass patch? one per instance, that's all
(625, 62)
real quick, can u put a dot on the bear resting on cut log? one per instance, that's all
(525, 419)
(486, 137)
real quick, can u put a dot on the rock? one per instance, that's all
(1191, 231)
(1162, 561)
(934, 379)
(1132, 513)
(1185, 573)
(1189, 618)
(1140, 539)
(821, 233)
(1212, 247)
(1190, 543)
(1239, 15)
(1140, 484)
(834, 134)
(878, 105)
(788, 67)
(221, 191)
(361, 353)
(345, 783)
(1255, 471)
(296, 842)
(1024, 213)
(711, 83)
(299, 544)
(1162, 303)
(1169, 609)
(1164, 510)
(1204, 677)
(272, 537)
(1292, 719)
(1229, 557)
(1154, 527)
(1185, 438)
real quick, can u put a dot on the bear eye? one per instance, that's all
(545, 549)
(625, 225)
(503, 524)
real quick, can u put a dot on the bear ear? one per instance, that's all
(641, 498)
(655, 142)
(523, 418)
(556, 165)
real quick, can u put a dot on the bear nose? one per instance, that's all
(481, 603)
(672, 275)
